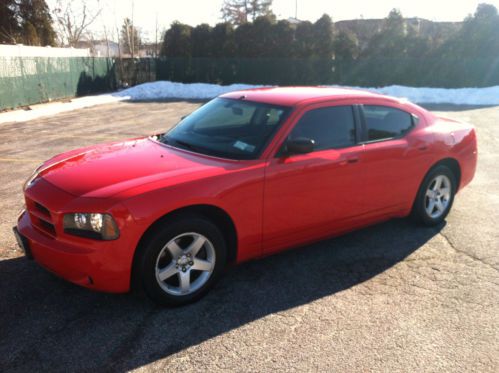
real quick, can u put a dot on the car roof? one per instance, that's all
(291, 96)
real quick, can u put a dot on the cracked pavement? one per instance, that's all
(391, 297)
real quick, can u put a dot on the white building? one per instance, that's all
(20, 50)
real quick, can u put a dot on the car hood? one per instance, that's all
(108, 169)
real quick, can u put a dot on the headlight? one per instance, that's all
(90, 225)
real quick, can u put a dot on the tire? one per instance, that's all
(188, 250)
(430, 194)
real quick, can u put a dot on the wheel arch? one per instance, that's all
(213, 213)
(453, 165)
(450, 163)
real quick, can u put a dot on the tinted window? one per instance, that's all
(237, 129)
(331, 127)
(384, 122)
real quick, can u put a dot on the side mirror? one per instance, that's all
(300, 145)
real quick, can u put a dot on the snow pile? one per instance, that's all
(164, 90)
(455, 96)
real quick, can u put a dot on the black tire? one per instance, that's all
(149, 253)
(419, 212)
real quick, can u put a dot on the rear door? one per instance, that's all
(307, 196)
(396, 157)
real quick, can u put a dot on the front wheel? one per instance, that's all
(182, 261)
(435, 196)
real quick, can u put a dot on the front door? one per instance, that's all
(309, 196)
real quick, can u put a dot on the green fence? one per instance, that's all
(415, 72)
(29, 80)
(26, 81)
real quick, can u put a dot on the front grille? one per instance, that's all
(42, 209)
(41, 218)
(47, 227)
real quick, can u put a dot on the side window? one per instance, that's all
(331, 127)
(385, 122)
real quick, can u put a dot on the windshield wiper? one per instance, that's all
(183, 144)
(163, 139)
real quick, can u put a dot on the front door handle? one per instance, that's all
(349, 160)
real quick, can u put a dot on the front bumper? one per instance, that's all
(103, 266)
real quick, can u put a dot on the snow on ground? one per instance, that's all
(164, 90)
(52, 108)
(457, 96)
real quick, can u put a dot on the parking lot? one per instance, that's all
(391, 297)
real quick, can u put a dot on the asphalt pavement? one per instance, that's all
(391, 297)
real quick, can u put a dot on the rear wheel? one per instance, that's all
(182, 261)
(435, 196)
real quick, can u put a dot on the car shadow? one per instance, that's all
(48, 324)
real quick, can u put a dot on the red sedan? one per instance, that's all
(248, 174)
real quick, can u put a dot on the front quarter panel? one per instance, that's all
(237, 190)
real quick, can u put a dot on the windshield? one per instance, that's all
(228, 128)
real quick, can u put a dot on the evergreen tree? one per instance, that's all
(36, 22)
(222, 40)
(389, 42)
(346, 46)
(30, 34)
(10, 29)
(323, 35)
(304, 40)
(479, 36)
(177, 41)
(283, 35)
(245, 41)
(263, 30)
(201, 41)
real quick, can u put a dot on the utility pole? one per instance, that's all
(296, 9)
(132, 49)
(107, 41)
(156, 37)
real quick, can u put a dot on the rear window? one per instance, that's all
(385, 122)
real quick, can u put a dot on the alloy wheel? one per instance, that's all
(185, 263)
(437, 197)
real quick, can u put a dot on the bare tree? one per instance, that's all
(239, 12)
(73, 17)
(130, 37)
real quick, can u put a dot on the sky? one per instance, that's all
(194, 12)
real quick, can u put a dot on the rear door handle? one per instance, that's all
(353, 159)
(423, 148)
